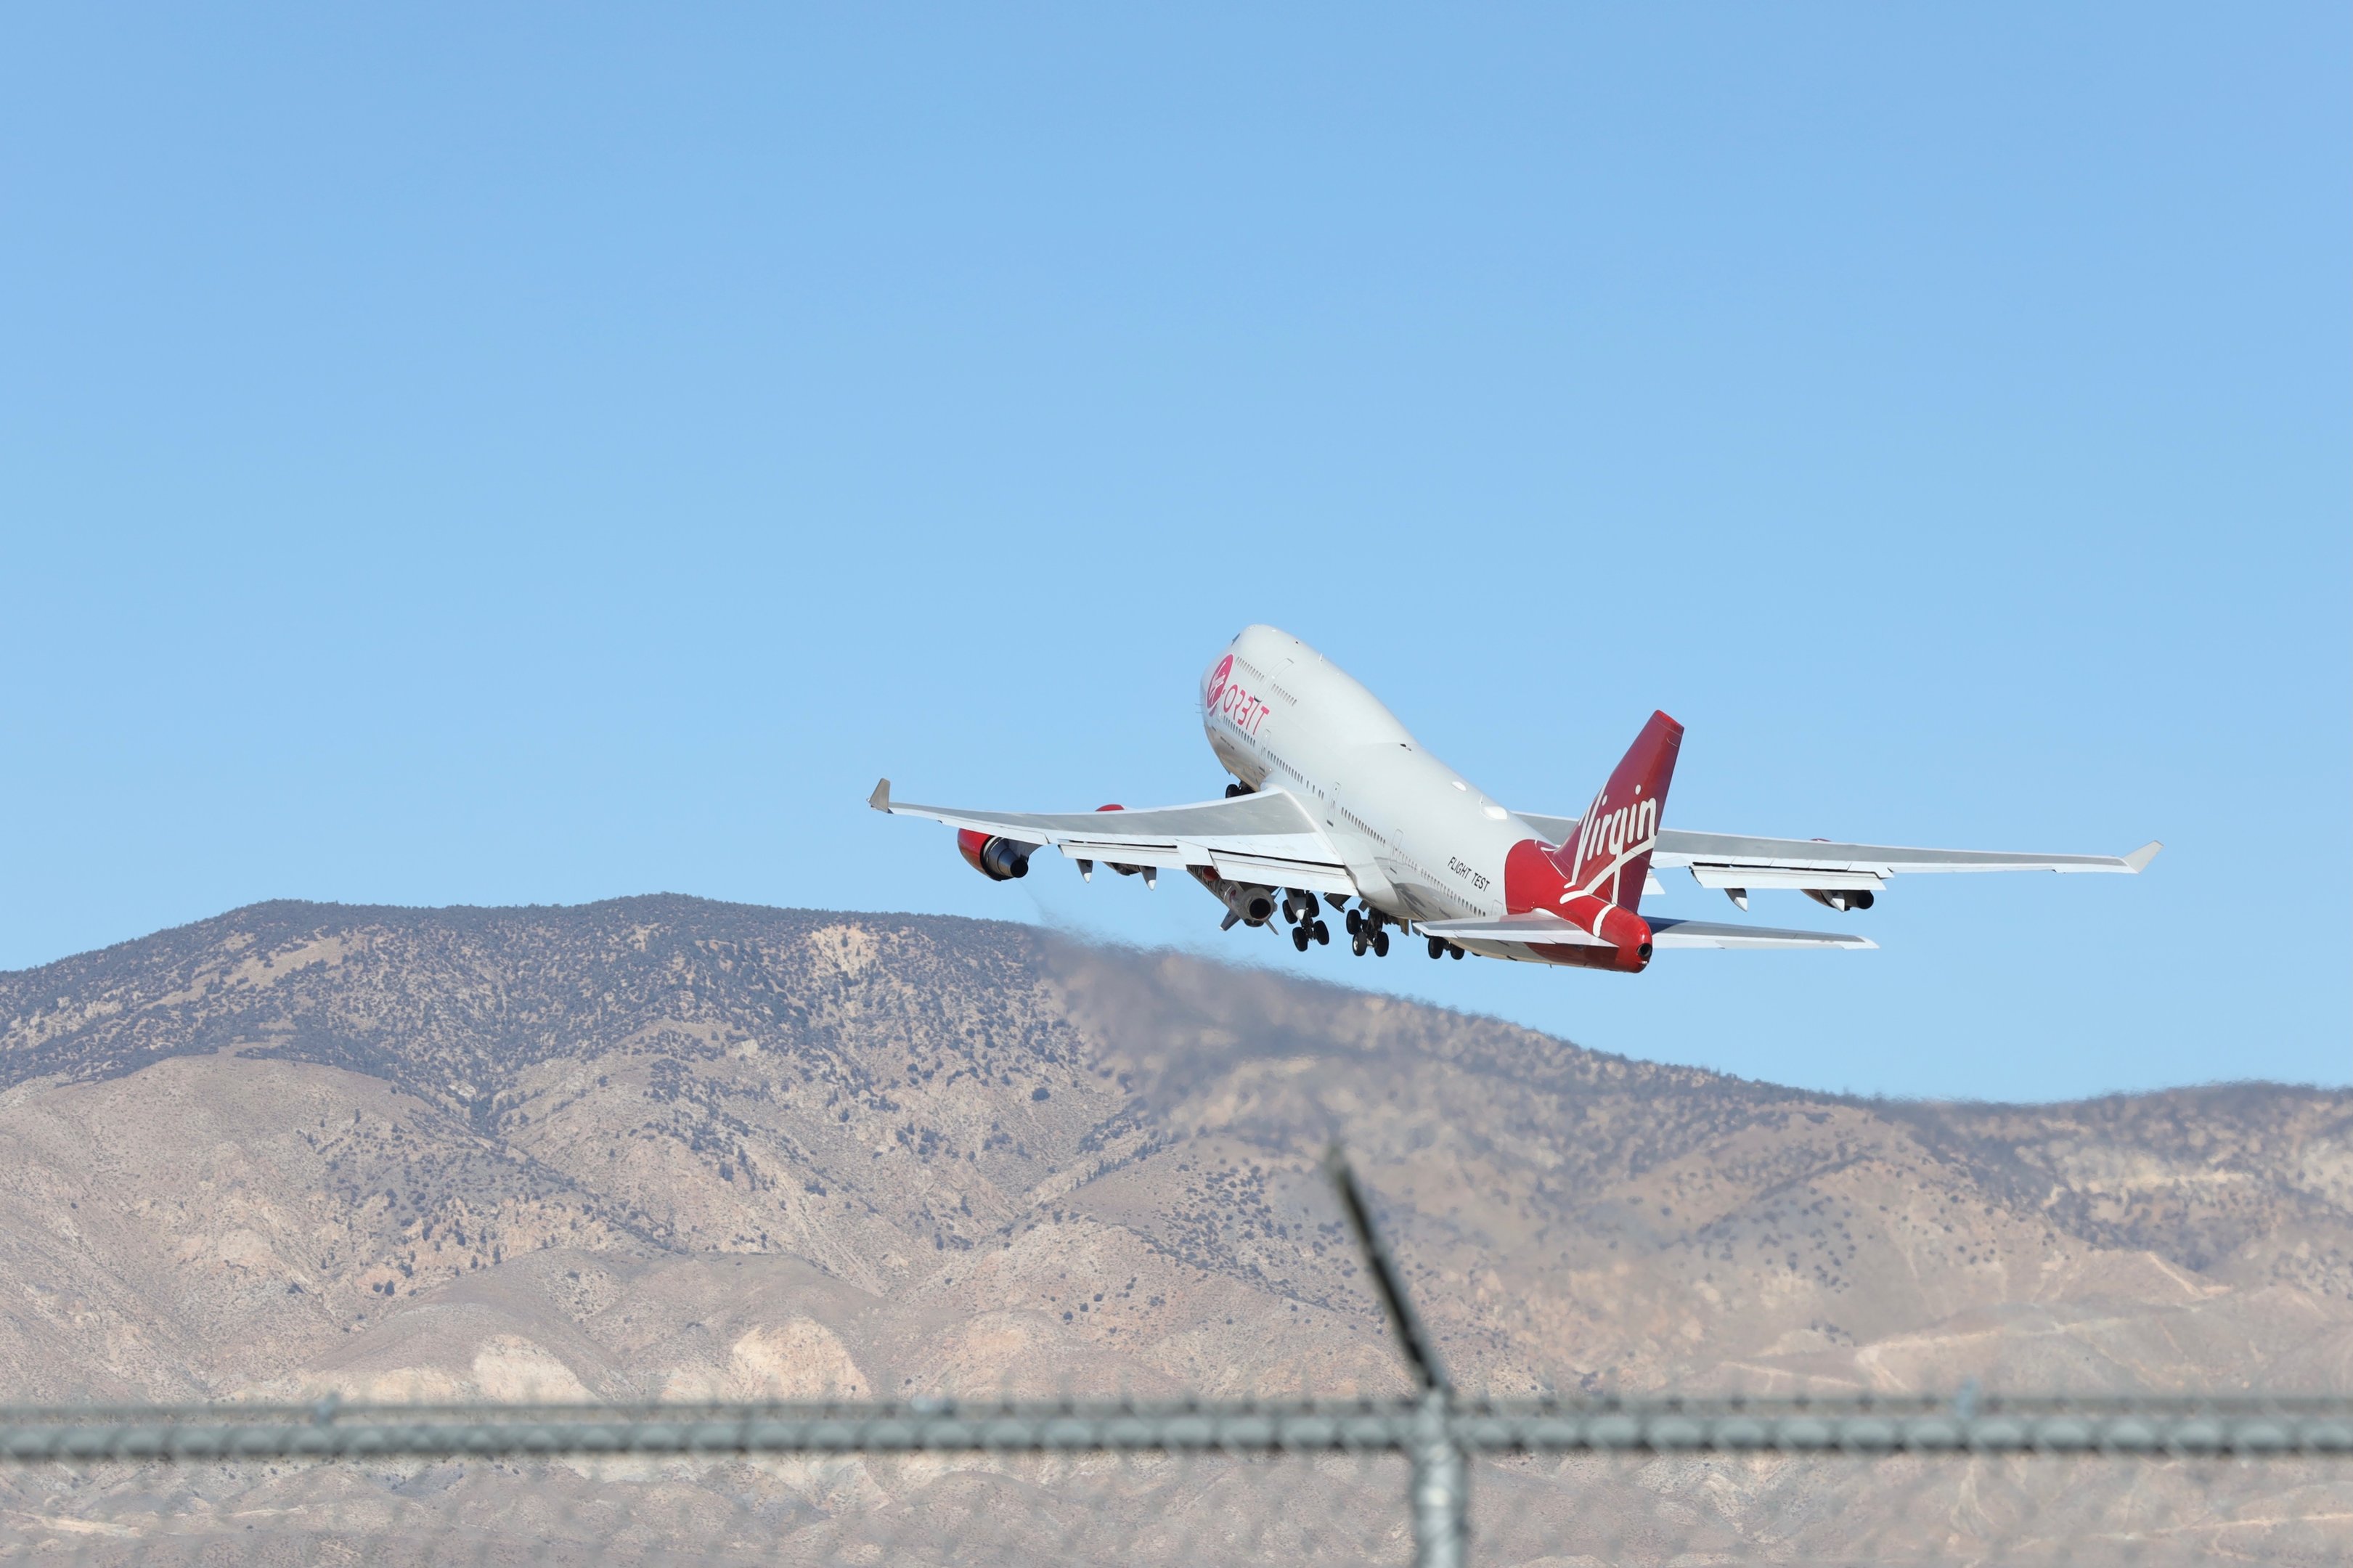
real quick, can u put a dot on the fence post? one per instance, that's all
(1441, 1488)
(1439, 1491)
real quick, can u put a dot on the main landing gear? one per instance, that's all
(1300, 909)
(1368, 928)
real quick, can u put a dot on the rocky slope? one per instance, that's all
(663, 1147)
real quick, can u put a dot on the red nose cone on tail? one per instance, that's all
(1532, 880)
(1621, 929)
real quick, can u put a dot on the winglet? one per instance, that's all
(2139, 858)
(880, 800)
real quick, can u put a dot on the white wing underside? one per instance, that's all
(1735, 860)
(1539, 929)
(1271, 838)
(1267, 839)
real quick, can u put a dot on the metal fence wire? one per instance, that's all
(1438, 1478)
(1913, 1481)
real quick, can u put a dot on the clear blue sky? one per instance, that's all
(542, 454)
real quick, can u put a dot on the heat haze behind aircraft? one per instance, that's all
(1334, 798)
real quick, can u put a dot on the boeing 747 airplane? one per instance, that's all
(1334, 798)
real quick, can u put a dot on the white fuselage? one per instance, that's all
(1422, 841)
(1348, 806)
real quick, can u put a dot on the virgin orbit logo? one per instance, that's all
(1232, 703)
(1218, 682)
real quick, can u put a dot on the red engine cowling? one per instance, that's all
(999, 859)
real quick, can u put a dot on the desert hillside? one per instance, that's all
(661, 1146)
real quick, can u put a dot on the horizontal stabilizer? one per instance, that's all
(1540, 929)
(1537, 926)
(1714, 933)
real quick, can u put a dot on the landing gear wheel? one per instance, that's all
(1299, 937)
(1455, 951)
(1380, 944)
(1323, 934)
(1437, 947)
(1355, 923)
(1356, 943)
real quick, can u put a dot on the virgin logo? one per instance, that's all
(1218, 682)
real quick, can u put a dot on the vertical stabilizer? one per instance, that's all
(1610, 856)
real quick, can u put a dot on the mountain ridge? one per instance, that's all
(406, 1111)
(261, 910)
(662, 1148)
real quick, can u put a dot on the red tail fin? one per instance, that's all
(1610, 856)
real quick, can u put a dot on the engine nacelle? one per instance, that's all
(1249, 902)
(1842, 898)
(999, 859)
(1253, 903)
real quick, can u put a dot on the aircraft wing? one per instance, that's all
(1735, 860)
(1549, 930)
(1267, 838)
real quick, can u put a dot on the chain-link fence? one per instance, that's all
(1434, 1480)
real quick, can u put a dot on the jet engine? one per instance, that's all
(1252, 902)
(1842, 898)
(1249, 902)
(999, 859)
